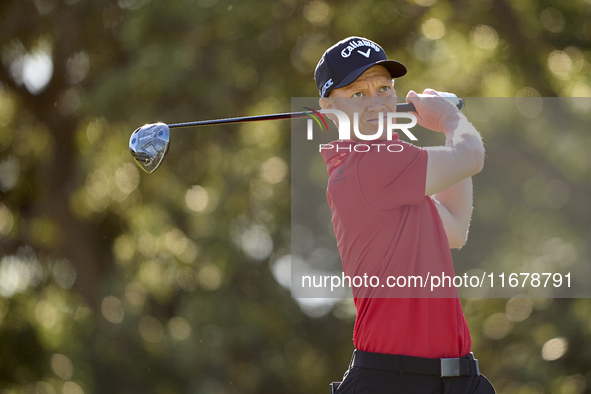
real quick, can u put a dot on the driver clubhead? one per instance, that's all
(149, 145)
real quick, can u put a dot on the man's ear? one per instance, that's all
(326, 103)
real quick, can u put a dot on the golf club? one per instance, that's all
(149, 143)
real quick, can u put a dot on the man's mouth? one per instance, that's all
(376, 120)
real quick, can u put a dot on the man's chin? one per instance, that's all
(369, 135)
(369, 132)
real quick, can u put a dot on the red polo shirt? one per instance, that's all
(386, 227)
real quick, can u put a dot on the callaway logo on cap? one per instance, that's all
(345, 61)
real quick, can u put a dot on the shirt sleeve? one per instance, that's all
(390, 180)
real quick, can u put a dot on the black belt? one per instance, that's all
(443, 367)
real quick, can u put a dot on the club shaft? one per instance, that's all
(242, 119)
(403, 107)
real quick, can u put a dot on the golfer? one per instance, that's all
(396, 212)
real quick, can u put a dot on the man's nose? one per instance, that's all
(375, 103)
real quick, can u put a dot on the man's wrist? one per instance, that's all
(459, 127)
(450, 132)
(452, 124)
(449, 138)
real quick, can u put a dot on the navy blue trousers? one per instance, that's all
(376, 381)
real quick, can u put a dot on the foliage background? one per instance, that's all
(115, 281)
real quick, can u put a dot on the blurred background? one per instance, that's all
(115, 281)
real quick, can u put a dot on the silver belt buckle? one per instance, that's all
(450, 367)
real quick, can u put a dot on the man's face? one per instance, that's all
(373, 92)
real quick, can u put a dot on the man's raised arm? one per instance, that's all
(450, 167)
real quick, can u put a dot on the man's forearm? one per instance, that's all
(462, 134)
(458, 201)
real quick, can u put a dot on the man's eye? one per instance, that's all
(357, 94)
(385, 88)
